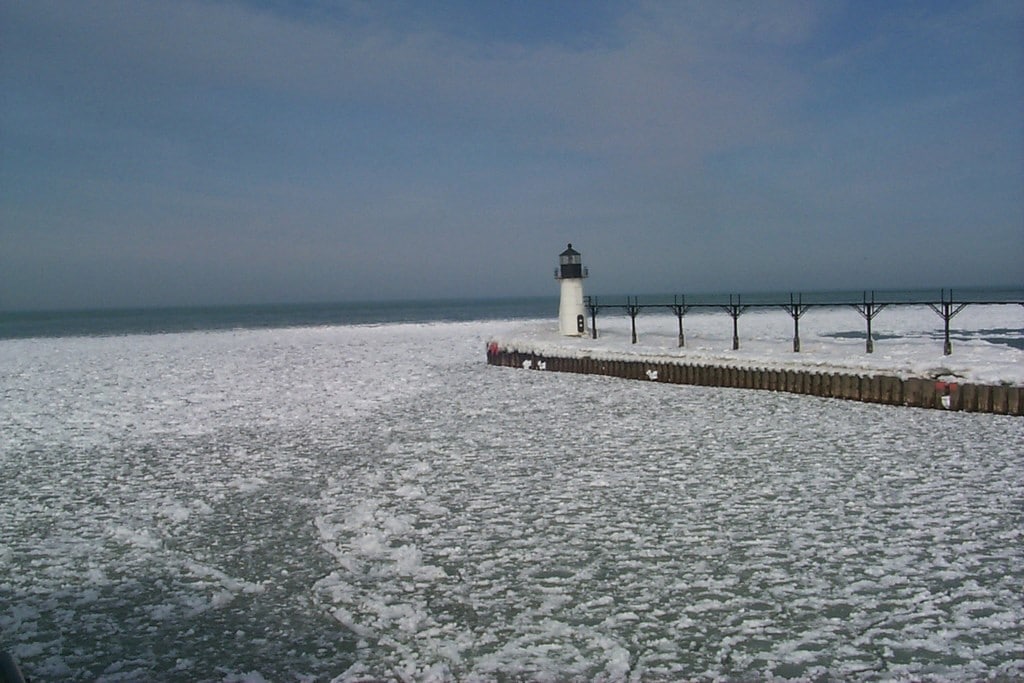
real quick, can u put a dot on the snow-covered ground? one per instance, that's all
(908, 340)
(377, 502)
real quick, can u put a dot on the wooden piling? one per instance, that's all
(1000, 400)
(1014, 402)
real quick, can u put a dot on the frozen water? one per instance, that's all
(374, 502)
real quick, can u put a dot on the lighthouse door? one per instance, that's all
(581, 325)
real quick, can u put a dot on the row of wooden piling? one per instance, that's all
(886, 389)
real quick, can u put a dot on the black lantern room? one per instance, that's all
(570, 265)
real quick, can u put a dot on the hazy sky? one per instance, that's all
(159, 152)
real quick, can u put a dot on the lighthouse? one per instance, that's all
(571, 320)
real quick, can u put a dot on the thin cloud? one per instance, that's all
(306, 144)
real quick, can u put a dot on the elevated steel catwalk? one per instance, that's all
(868, 307)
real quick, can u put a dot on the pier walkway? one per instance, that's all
(871, 388)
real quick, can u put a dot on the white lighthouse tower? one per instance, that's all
(571, 319)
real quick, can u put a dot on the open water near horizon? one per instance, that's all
(304, 497)
(163, 320)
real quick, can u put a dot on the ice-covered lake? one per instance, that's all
(375, 502)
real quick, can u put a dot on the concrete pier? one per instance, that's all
(884, 389)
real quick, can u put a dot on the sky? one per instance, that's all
(198, 152)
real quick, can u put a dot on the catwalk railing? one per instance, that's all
(946, 308)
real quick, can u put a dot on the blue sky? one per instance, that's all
(215, 151)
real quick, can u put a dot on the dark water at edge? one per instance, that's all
(108, 322)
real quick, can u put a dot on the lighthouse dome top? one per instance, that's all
(570, 265)
(570, 255)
